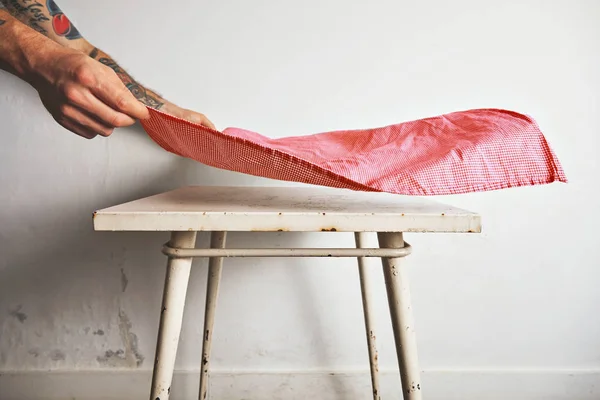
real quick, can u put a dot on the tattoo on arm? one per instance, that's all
(42, 16)
(60, 23)
(144, 95)
(29, 11)
(47, 18)
(2, 8)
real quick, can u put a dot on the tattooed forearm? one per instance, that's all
(29, 11)
(44, 16)
(144, 95)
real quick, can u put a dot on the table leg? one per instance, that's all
(215, 266)
(171, 317)
(398, 292)
(361, 239)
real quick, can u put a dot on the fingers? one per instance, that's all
(208, 124)
(93, 106)
(112, 92)
(88, 121)
(78, 129)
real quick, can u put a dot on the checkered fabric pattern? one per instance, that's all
(461, 152)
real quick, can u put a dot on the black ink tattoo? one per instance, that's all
(94, 53)
(144, 95)
(30, 9)
(2, 8)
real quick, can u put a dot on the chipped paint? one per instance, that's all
(129, 355)
(124, 281)
(57, 355)
(112, 358)
(18, 314)
(414, 387)
(130, 341)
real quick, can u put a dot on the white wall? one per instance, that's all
(523, 296)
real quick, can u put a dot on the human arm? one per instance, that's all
(82, 95)
(144, 95)
(52, 47)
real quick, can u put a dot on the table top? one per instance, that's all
(298, 209)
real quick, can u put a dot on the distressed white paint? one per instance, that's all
(283, 209)
(291, 252)
(171, 316)
(397, 285)
(482, 302)
(360, 239)
(215, 269)
(240, 204)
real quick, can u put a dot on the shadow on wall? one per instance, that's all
(68, 295)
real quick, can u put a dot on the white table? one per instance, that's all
(185, 211)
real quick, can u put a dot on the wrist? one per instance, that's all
(28, 50)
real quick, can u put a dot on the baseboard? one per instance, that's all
(313, 385)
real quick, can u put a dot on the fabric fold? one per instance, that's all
(461, 152)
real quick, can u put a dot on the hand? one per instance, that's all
(83, 95)
(188, 115)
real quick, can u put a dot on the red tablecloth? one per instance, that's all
(467, 151)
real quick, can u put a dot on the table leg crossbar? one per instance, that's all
(175, 252)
